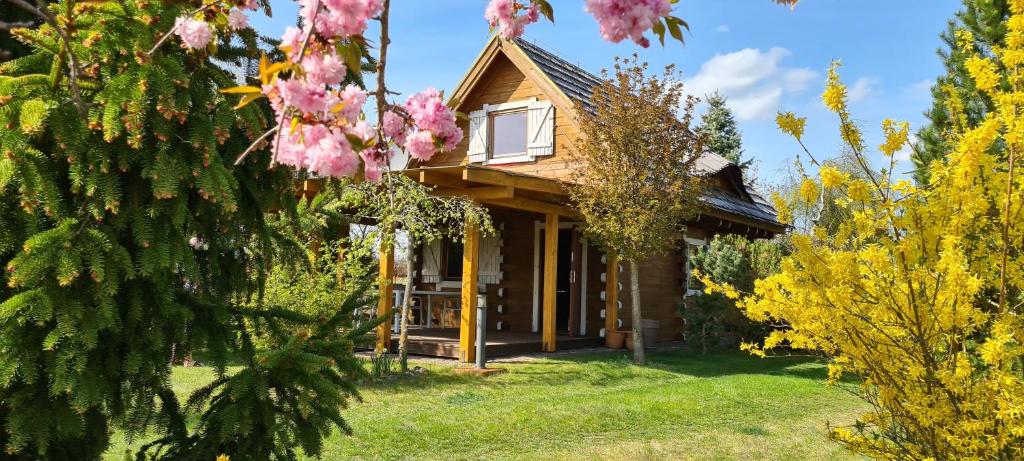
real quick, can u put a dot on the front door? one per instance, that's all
(564, 283)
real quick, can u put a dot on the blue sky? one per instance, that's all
(764, 57)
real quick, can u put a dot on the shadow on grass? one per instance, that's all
(614, 367)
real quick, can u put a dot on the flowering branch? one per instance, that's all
(177, 25)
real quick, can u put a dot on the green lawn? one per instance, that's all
(598, 406)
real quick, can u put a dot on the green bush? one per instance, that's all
(712, 320)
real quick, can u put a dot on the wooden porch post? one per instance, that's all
(387, 298)
(470, 270)
(611, 296)
(550, 282)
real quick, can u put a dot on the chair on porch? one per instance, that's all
(451, 311)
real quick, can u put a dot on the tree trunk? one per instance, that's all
(403, 335)
(634, 295)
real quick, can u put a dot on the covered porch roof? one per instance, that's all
(497, 187)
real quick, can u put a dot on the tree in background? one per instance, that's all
(957, 104)
(721, 135)
(919, 294)
(732, 259)
(635, 184)
(821, 211)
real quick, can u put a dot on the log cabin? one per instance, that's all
(544, 285)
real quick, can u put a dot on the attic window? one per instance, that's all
(508, 133)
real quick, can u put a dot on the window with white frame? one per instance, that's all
(691, 246)
(508, 133)
(516, 131)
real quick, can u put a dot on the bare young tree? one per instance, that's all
(635, 182)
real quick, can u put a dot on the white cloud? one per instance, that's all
(756, 104)
(724, 29)
(797, 79)
(753, 80)
(922, 89)
(864, 88)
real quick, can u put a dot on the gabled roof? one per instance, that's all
(573, 80)
(567, 84)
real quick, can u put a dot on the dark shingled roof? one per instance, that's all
(724, 201)
(578, 85)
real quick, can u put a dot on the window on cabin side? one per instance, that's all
(452, 260)
(508, 133)
(693, 285)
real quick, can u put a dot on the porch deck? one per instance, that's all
(444, 342)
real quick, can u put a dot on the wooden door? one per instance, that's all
(574, 283)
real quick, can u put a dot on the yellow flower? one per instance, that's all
(790, 124)
(965, 40)
(983, 72)
(831, 177)
(896, 136)
(809, 190)
(223, 458)
(785, 215)
(834, 96)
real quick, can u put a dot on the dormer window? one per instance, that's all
(512, 132)
(508, 133)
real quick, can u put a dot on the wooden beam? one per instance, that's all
(436, 178)
(387, 298)
(611, 296)
(498, 178)
(536, 206)
(480, 65)
(550, 282)
(470, 271)
(478, 193)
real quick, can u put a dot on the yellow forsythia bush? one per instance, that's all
(919, 293)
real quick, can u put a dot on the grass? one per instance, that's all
(597, 406)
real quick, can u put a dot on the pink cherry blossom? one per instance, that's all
(250, 5)
(374, 161)
(325, 68)
(364, 131)
(394, 127)
(292, 41)
(237, 19)
(340, 18)
(194, 34)
(502, 15)
(429, 113)
(621, 19)
(307, 97)
(420, 145)
(353, 98)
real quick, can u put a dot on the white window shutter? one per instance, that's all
(540, 127)
(432, 261)
(490, 259)
(478, 136)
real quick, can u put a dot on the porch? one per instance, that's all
(444, 342)
(531, 274)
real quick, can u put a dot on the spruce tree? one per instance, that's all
(718, 125)
(985, 19)
(126, 231)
